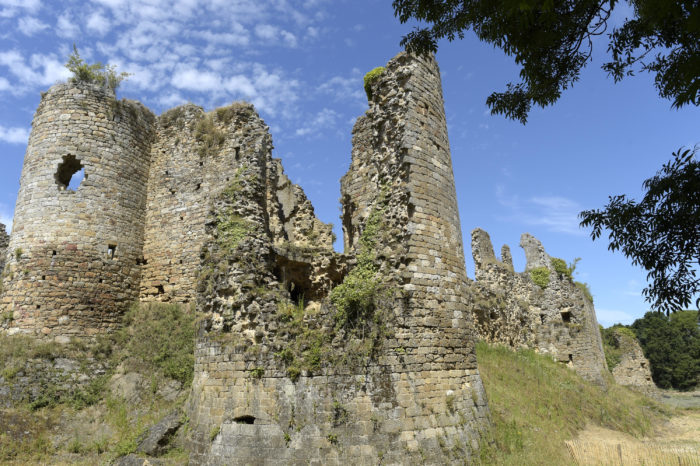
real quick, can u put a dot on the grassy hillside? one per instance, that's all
(537, 405)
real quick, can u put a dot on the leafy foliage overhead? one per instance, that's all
(552, 41)
(661, 232)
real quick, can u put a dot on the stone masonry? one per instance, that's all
(4, 242)
(303, 355)
(280, 379)
(633, 368)
(74, 258)
(509, 308)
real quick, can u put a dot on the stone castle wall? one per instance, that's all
(76, 253)
(509, 308)
(633, 368)
(4, 242)
(289, 380)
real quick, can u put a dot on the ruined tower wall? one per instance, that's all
(4, 242)
(75, 265)
(509, 308)
(283, 380)
(195, 157)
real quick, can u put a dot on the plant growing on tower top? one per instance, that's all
(97, 73)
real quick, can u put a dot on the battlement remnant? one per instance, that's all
(510, 308)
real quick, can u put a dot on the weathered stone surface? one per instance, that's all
(47, 378)
(156, 440)
(633, 368)
(4, 242)
(73, 266)
(417, 396)
(509, 308)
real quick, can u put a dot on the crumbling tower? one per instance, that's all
(74, 255)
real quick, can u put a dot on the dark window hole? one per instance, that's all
(199, 185)
(53, 253)
(566, 316)
(38, 306)
(571, 358)
(238, 152)
(247, 419)
(70, 173)
(111, 250)
(201, 164)
(160, 288)
(43, 277)
(101, 280)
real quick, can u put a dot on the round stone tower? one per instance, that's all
(74, 258)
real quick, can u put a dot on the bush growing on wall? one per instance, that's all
(97, 73)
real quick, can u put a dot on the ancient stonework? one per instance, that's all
(510, 308)
(4, 242)
(288, 374)
(73, 264)
(633, 368)
(303, 355)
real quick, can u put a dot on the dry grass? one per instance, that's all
(613, 454)
(537, 405)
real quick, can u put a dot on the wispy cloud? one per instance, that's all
(14, 135)
(554, 213)
(30, 26)
(323, 121)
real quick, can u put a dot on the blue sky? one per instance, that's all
(301, 63)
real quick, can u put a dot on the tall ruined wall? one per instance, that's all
(4, 242)
(509, 308)
(75, 258)
(633, 368)
(381, 376)
(195, 157)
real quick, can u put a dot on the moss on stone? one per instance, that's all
(370, 78)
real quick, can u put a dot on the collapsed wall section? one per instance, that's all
(75, 251)
(540, 308)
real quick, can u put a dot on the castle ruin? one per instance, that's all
(303, 354)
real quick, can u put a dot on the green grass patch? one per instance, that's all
(537, 404)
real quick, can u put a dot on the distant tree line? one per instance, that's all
(670, 343)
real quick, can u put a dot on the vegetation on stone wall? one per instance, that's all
(370, 78)
(97, 73)
(155, 346)
(540, 276)
(585, 289)
(672, 346)
(615, 343)
(561, 268)
(537, 404)
(354, 298)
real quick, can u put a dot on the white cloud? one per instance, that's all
(266, 31)
(4, 84)
(192, 79)
(41, 70)
(98, 23)
(30, 26)
(12, 7)
(240, 38)
(66, 27)
(171, 99)
(554, 213)
(345, 88)
(14, 135)
(324, 120)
